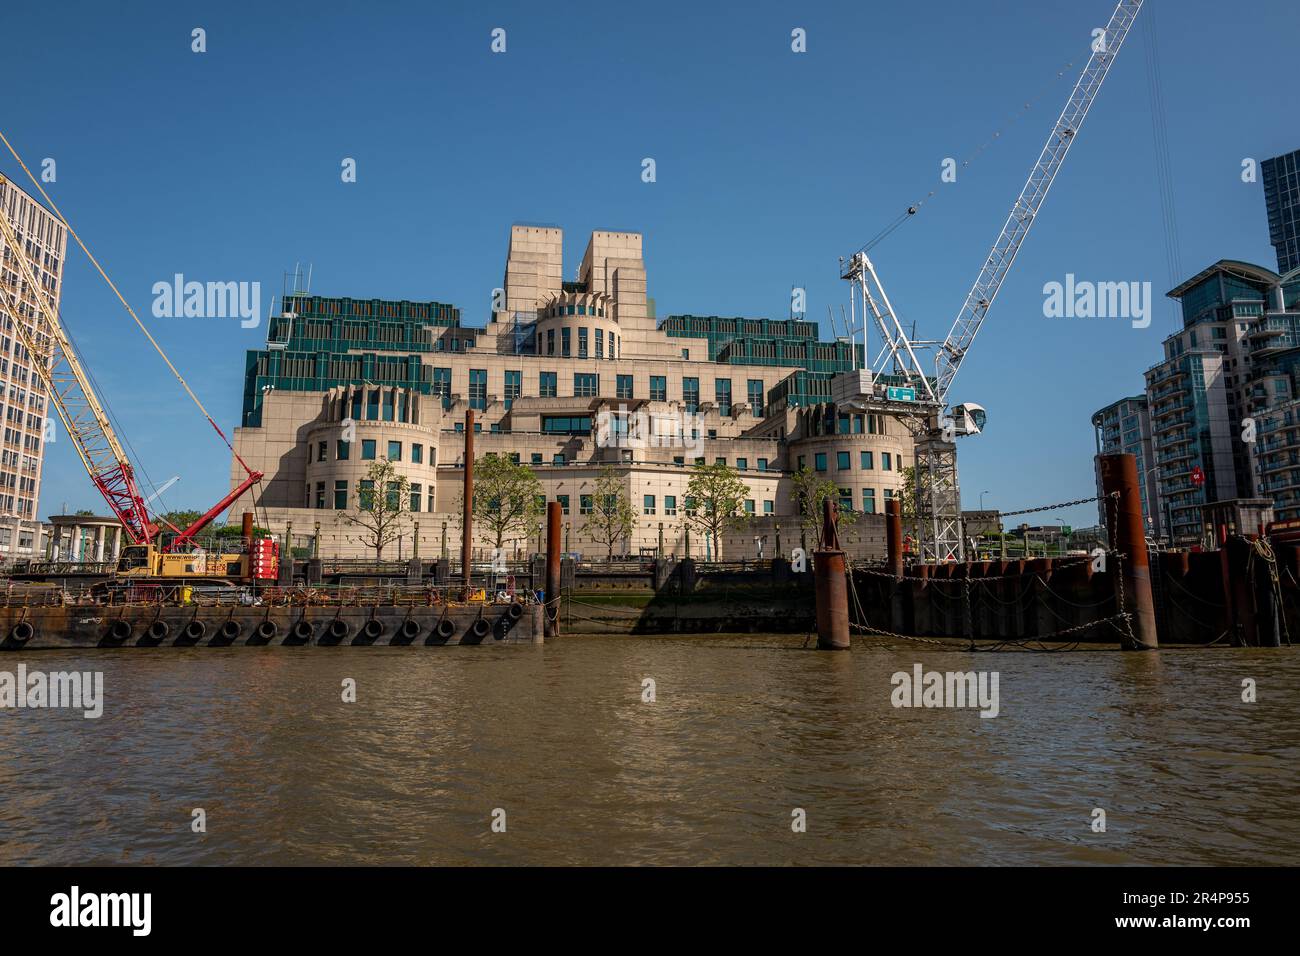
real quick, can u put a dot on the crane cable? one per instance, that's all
(1163, 165)
(915, 207)
(130, 311)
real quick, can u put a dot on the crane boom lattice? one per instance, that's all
(1106, 47)
(56, 363)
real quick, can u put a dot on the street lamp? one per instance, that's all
(982, 494)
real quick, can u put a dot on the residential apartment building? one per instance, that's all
(568, 377)
(23, 402)
(1124, 427)
(1281, 176)
(1222, 404)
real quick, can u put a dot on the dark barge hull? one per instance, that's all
(104, 626)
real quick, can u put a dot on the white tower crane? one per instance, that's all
(925, 399)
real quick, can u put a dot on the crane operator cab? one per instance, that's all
(143, 560)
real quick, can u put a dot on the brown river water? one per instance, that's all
(743, 732)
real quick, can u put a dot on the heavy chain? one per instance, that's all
(1063, 504)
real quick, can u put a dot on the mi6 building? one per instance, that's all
(344, 382)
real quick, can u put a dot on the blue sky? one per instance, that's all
(225, 166)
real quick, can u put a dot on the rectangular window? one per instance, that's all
(624, 386)
(869, 501)
(742, 464)
(417, 492)
(842, 460)
(564, 503)
(769, 507)
(322, 449)
(548, 385)
(649, 504)
(846, 499)
(801, 463)
(558, 459)
(819, 461)
(393, 496)
(537, 458)
(442, 385)
(342, 449)
(550, 341)
(720, 461)
(755, 386)
(722, 390)
(762, 464)
(340, 496)
(586, 384)
(691, 394)
(394, 451)
(514, 385)
(582, 343)
(884, 460)
(584, 504)
(366, 494)
(866, 461)
(670, 505)
(367, 449)
(566, 424)
(320, 494)
(565, 347)
(417, 454)
(600, 343)
(478, 388)
(658, 388)
(749, 506)
(429, 501)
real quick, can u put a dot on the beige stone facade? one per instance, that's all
(595, 383)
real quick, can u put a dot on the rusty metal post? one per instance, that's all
(831, 586)
(894, 536)
(1119, 474)
(246, 532)
(552, 569)
(467, 514)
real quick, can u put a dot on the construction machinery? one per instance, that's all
(157, 549)
(898, 383)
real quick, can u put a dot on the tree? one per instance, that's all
(715, 502)
(612, 518)
(508, 499)
(810, 490)
(379, 509)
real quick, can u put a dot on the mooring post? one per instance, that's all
(467, 514)
(1119, 475)
(552, 593)
(894, 536)
(246, 532)
(894, 559)
(831, 586)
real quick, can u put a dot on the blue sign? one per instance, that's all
(897, 393)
